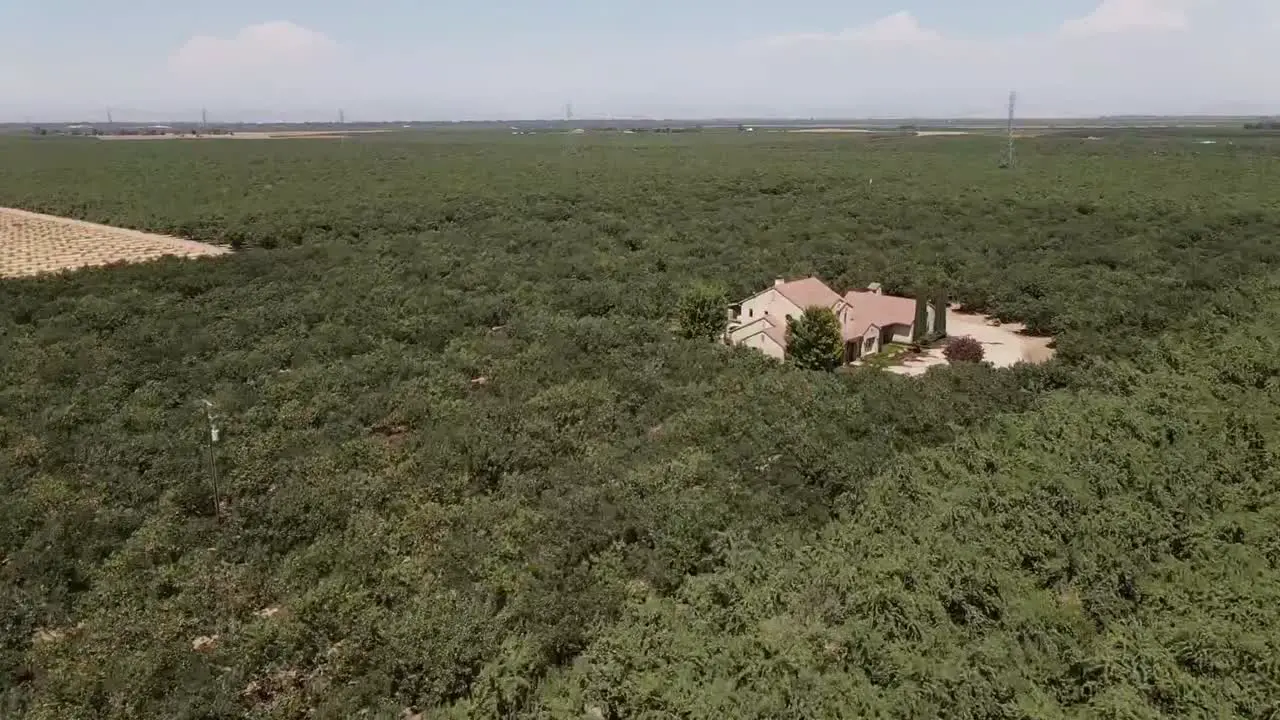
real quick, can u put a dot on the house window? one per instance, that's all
(869, 345)
(751, 313)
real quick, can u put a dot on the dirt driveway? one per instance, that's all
(1004, 345)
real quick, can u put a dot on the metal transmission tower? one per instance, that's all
(211, 422)
(1009, 157)
(109, 116)
(342, 117)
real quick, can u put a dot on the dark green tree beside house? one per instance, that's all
(813, 340)
(702, 312)
(920, 328)
(940, 315)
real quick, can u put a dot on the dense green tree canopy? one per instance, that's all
(1112, 554)
(703, 312)
(813, 340)
(470, 468)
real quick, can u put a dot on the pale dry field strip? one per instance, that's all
(827, 130)
(35, 244)
(252, 135)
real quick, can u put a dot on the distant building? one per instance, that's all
(869, 319)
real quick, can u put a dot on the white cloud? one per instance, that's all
(1126, 56)
(900, 29)
(1118, 16)
(263, 65)
(270, 46)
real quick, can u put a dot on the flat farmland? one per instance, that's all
(36, 244)
(468, 465)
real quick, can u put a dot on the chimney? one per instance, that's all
(778, 281)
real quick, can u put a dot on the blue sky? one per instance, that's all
(386, 59)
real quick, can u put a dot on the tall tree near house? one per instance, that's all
(921, 327)
(703, 312)
(940, 314)
(813, 341)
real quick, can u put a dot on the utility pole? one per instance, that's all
(1009, 157)
(570, 147)
(211, 423)
(342, 117)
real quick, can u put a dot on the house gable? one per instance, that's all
(870, 308)
(790, 300)
(867, 317)
(769, 303)
(809, 292)
(766, 337)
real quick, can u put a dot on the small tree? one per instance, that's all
(703, 312)
(813, 341)
(921, 327)
(963, 349)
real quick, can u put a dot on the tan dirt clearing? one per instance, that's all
(35, 244)
(831, 130)
(1003, 345)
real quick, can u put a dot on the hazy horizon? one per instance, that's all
(125, 118)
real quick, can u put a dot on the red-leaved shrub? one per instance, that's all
(963, 349)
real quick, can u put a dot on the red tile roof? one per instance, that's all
(808, 292)
(868, 308)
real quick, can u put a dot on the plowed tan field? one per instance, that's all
(35, 244)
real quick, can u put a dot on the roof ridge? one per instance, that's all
(802, 291)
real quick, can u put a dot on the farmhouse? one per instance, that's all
(869, 319)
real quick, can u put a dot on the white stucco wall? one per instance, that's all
(738, 333)
(871, 341)
(901, 333)
(771, 303)
(766, 345)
